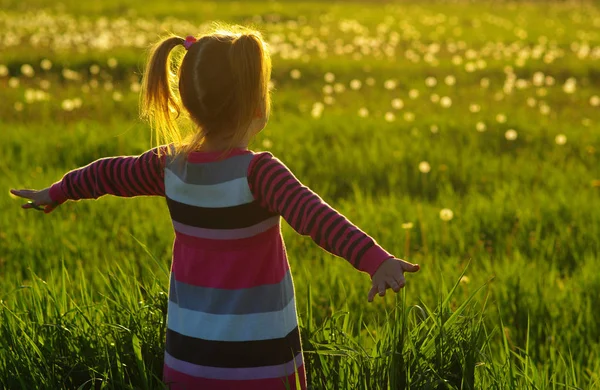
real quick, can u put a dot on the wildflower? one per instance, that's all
(3, 71)
(355, 84)
(327, 89)
(117, 96)
(94, 69)
(445, 102)
(446, 215)
(424, 167)
(329, 77)
(27, 70)
(434, 98)
(484, 82)
(560, 139)
(595, 101)
(531, 102)
(363, 112)
(474, 108)
(409, 116)
(295, 74)
(398, 104)
(317, 110)
(67, 105)
(430, 81)
(328, 99)
(267, 143)
(339, 88)
(407, 225)
(46, 64)
(480, 127)
(450, 80)
(390, 117)
(511, 135)
(413, 93)
(389, 84)
(465, 279)
(570, 85)
(13, 82)
(434, 129)
(112, 62)
(370, 81)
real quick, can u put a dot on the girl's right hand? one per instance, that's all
(40, 200)
(390, 274)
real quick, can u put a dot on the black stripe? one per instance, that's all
(290, 197)
(361, 253)
(278, 173)
(332, 227)
(337, 237)
(234, 217)
(117, 179)
(303, 207)
(354, 244)
(314, 218)
(144, 165)
(87, 180)
(233, 354)
(99, 183)
(280, 184)
(131, 177)
(321, 232)
(72, 184)
(295, 206)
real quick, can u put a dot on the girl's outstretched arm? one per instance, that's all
(276, 188)
(125, 176)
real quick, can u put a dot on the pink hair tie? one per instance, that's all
(189, 41)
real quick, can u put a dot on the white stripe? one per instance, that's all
(230, 193)
(232, 327)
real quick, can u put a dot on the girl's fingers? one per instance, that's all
(381, 287)
(409, 267)
(372, 293)
(28, 194)
(394, 285)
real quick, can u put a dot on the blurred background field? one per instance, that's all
(462, 136)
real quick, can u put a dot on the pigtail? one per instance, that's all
(158, 102)
(251, 67)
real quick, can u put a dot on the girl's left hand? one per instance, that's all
(40, 200)
(390, 274)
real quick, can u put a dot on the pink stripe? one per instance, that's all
(200, 157)
(176, 380)
(226, 234)
(235, 374)
(259, 263)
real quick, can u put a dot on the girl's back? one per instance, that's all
(232, 314)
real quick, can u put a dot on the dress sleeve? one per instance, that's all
(125, 176)
(275, 187)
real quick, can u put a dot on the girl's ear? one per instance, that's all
(259, 113)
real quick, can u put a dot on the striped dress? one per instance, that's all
(231, 319)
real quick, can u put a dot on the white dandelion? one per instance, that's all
(511, 135)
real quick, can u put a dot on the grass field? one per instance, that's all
(392, 112)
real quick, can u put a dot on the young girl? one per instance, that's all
(231, 319)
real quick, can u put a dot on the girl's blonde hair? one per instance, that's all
(222, 81)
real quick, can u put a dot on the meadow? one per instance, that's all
(462, 136)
